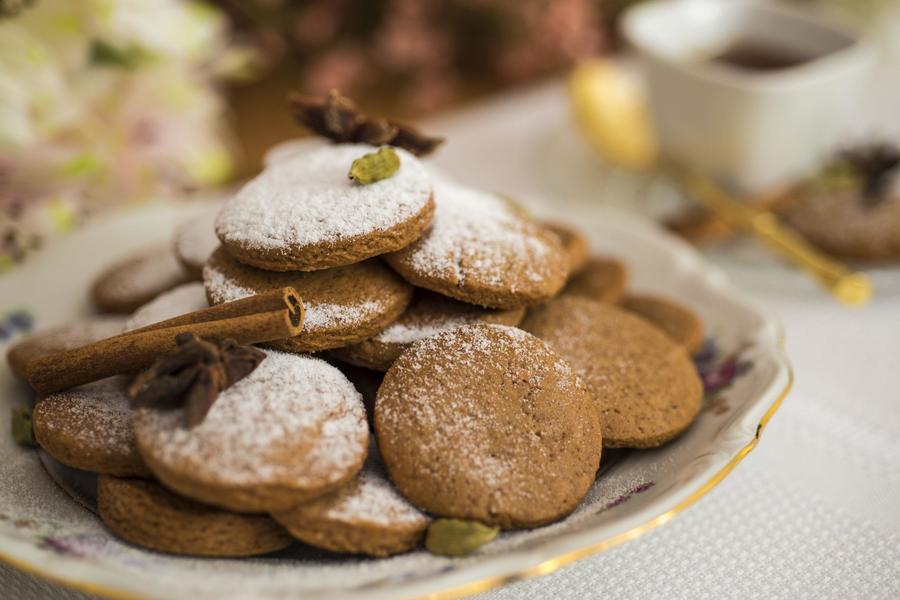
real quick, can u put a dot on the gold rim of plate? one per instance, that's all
(488, 583)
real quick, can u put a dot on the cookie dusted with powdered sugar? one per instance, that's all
(482, 251)
(195, 240)
(137, 279)
(343, 305)
(427, 315)
(486, 422)
(844, 224)
(59, 338)
(89, 428)
(366, 516)
(303, 213)
(643, 384)
(186, 298)
(292, 430)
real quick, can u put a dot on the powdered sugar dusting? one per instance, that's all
(447, 403)
(181, 300)
(145, 274)
(320, 315)
(476, 235)
(430, 314)
(294, 421)
(333, 316)
(372, 498)
(405, 333)
(196, 239)
(99, 412)
(307, 199)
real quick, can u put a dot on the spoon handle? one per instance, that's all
(849, 287)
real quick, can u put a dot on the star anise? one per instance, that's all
(194, 375)
(337, 118)
(875, 166)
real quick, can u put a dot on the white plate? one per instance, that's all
(42, 530)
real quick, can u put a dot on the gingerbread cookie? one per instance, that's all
(675, 319)
(486, 422)
(343, 305)
(427, 315)
(644, 385)
(136, 280)
(89, 428)
(303, 213)
(196, 239)
(186, 298)
(365, 516)
(60, 338)
(574, 241)
(291, 148)
(601, 279)
(292, 430)
(843, 223)
(481, 251)
(145, 513)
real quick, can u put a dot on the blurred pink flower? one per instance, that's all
(317, 22)
(555, 36)
(409, 40)
(343, 68)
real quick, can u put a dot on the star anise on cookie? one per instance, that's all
(194, 375)
(873, 167)
(337, 118)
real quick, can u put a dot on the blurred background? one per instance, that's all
(104, 103)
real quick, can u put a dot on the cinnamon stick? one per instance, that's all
(265, 317)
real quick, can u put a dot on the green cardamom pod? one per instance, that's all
(374, 166)
(839, 175)
(22, 428)
(456, 537)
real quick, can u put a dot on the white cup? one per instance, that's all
(753, 130)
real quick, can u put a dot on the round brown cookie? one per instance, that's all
(292, 430)
(486, 422)
(574, 241)
(600, 279)
(183, 299)
(343, 305)
(303, 213)
(843, 224)
(675, 319)
(137, 279)
(292, 147)
(89, 428)
(196, 239)
(427, 315)
(146, 514)
(481, 251)
(644, 385)
(366, 516)
(59, 338)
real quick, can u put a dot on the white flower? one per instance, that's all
(172, 29)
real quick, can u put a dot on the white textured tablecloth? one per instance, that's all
(813, 512)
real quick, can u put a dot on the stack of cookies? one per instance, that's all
(458, 360)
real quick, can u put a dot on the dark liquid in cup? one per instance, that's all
(755, 56)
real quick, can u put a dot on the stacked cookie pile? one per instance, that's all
(490, 356)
